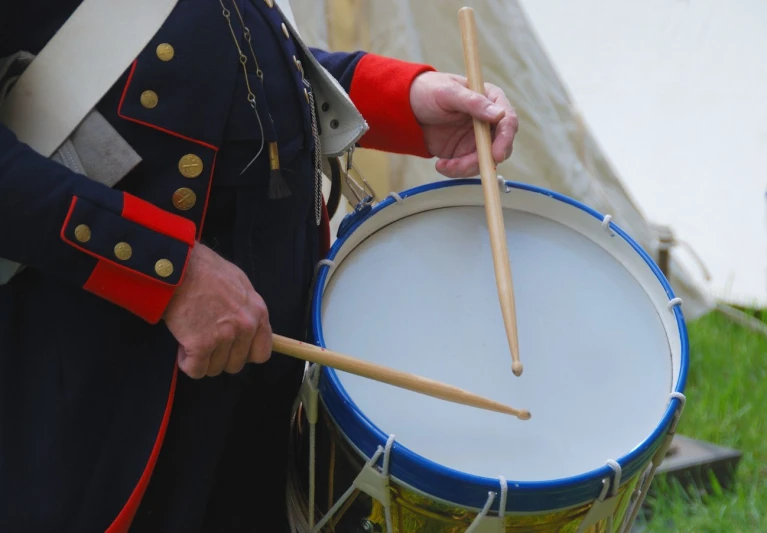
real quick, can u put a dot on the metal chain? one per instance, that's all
(246, 33)
(244, 62)
(317, 156)
(252, 100)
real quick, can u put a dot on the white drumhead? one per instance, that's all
(419, 295)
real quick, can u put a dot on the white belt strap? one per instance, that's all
(77, 68)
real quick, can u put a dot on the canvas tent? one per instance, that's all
(554, 149)
(674, 92)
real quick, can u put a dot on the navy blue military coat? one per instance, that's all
(98, 429)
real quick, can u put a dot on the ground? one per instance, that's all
(726, 404)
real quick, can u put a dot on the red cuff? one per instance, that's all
(381, 91)
(143, 289)
(139, 294)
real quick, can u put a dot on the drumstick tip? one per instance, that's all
(524, 414)
(516, 367)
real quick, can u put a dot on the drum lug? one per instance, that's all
(309, 394)
(371, 481)
(486, 523)
(605, 505)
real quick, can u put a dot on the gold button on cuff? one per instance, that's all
(149, 99)
(83, 233)
(123, 251)
(165, 52)
(163, 268)
(270, 3)
(184, 199)
(285, 30)
(190, 166)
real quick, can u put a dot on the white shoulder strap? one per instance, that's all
(77, 67)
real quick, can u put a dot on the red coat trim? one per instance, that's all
(381, 91)
(169, 132)
(207, 195)
(124, 519)
(174, 134)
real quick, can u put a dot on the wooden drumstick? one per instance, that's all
(493, 208)
(404, 380)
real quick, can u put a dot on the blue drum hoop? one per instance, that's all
(462, 488)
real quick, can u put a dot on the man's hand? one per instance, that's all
(219, 320)
(445, 107)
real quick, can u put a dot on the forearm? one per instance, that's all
(103, 240)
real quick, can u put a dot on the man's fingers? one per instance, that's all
(194, 367)
(219, 359)
(493, 108)
(261, 348)
(459, 167)
(503, 142)
(464, 100)
(240, 352)
(506, 128)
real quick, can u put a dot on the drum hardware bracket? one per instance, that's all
(351, 219)
(604, 506)
(372, 482)
(485, 523)
(362, 209)
(505, 186)
(364, 194)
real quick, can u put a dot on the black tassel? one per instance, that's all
(278, 187)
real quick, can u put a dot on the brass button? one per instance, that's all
(165, 52)
(190, 166)
(83, 233)
(270, 3)
(299, 66)
(184, 199)
(285, 30)
(123, 251)
(306, 94)
(149, 99)
(164, 268)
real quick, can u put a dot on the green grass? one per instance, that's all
(726, 403)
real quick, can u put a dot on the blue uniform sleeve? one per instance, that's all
(82, 232)
(341, 65)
